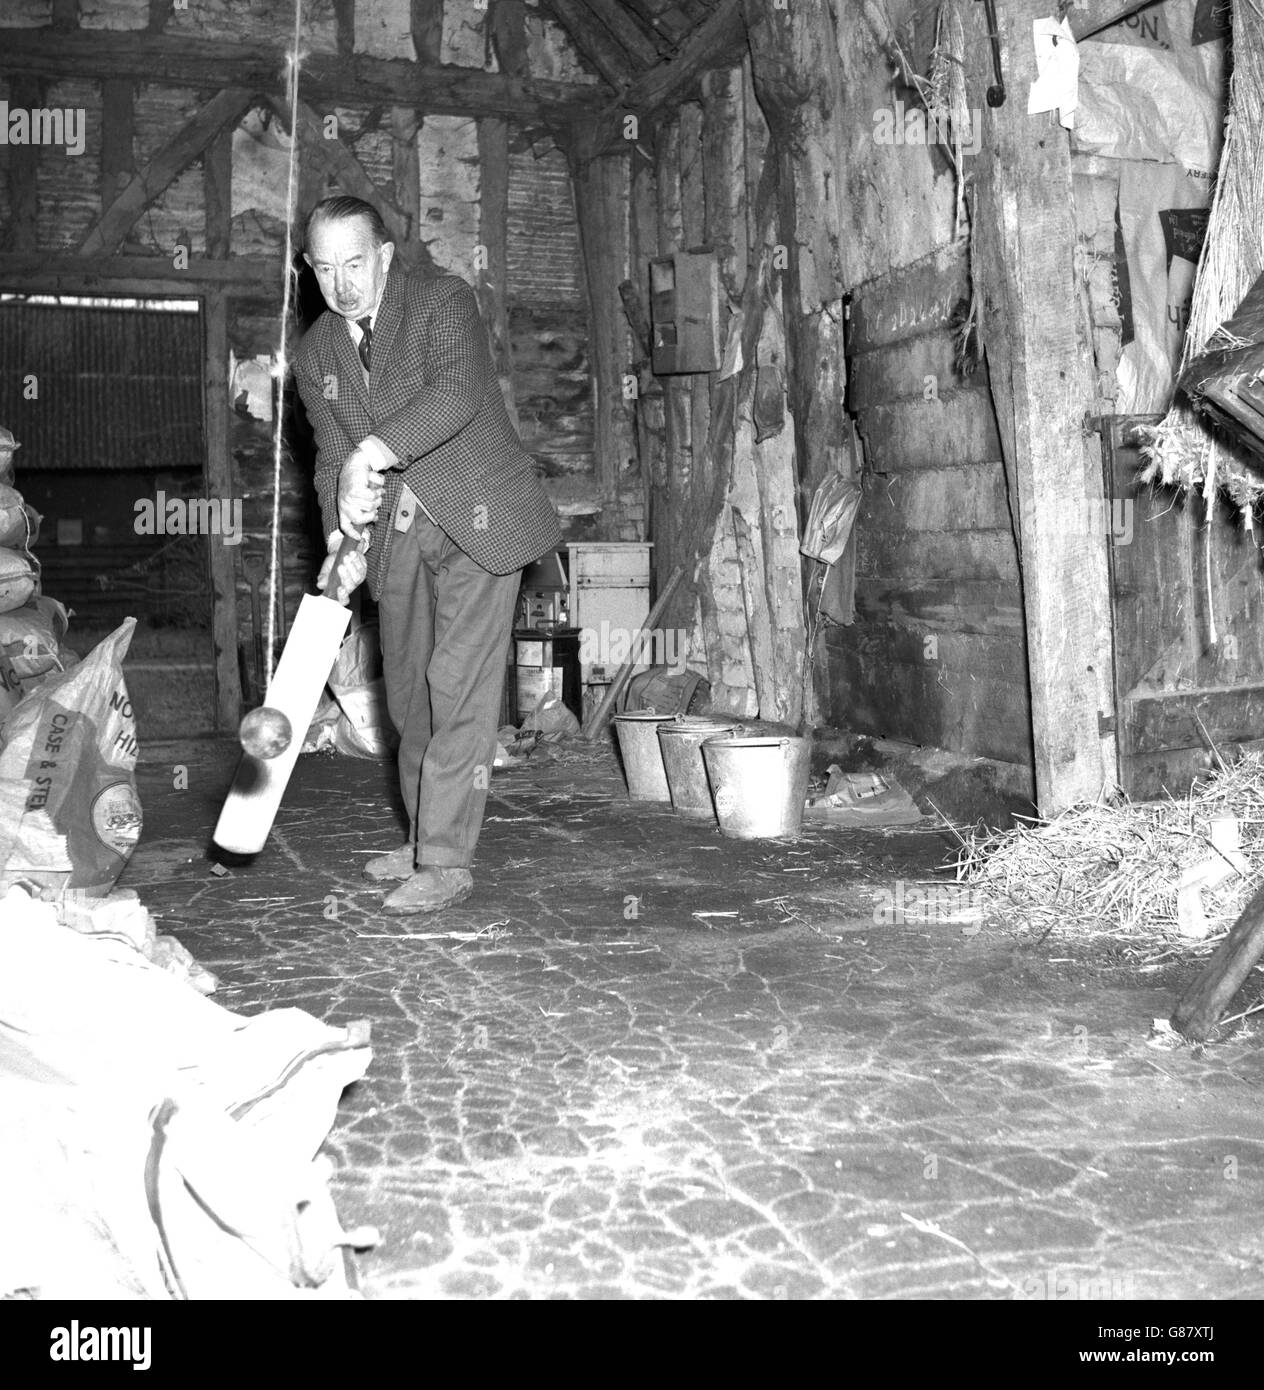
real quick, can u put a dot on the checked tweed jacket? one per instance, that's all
(433, 398)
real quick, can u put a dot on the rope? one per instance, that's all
(283, 365)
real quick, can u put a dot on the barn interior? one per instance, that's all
(844, 338)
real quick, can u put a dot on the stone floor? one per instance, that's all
(647, 1061)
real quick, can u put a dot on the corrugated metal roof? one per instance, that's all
(118, 387)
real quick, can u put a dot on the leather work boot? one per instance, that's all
(397, 864)
(430, 890)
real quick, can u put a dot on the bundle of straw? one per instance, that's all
(1183, 450)
(1111, 869)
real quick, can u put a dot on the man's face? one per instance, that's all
(350, 268)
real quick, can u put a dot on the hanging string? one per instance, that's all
(282, 363)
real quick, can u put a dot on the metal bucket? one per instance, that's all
(642, 756)
(760, 784)
(681, 739)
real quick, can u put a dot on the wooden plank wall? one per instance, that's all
(937, 654)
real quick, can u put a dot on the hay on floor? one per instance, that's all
(1111, 870)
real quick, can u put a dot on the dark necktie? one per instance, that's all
(365, 344)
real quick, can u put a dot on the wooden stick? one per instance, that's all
(597, 720)
(1207, 998)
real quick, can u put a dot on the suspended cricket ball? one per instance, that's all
(265, 732)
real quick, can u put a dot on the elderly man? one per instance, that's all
(412, 437)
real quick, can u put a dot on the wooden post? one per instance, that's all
(671, 501)
(643, 235)
(117, 130)
(427, 29)
(601, 203)
(492, 284)
(406, 167)
(1208, 997)
(219, 483)
(217, 183)
(25, 92)
(1042, 380)
(507, 36)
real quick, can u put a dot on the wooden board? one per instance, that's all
(906, 370)
(959, 427)
(1175, 578)
(970, 700)
(909, 302)
(991, 606)
(965, 497)
(914, 556)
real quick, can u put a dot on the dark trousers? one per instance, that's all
(445, 625)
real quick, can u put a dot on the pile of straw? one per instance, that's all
(1184, 451)
(1110, 870)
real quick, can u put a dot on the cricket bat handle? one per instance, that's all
(350, 544)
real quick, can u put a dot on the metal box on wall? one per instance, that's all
(685, 310)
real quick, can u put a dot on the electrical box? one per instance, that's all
(609, 602)
(685, 312)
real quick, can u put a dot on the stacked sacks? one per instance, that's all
(31, 627)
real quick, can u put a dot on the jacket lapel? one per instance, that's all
(346, 359)
(390, 315)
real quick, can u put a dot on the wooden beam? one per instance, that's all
(159, 13)
(176, 155)
(118, 128)
(643, 246)
(1203, 1003)
(26, 92)
(601, 206)
(65, 14)
(210, 65)
(427, 30)
(347, 170)
(491, 284)
(219, 485)
(1041, 374)
(593, 42)
(698, 526)
(405, 165)
(217, 186)
(671, 500)
(39, 271)
(626, 31)
(646, 12)
(712, 44)
(507, 31)
(344, 27)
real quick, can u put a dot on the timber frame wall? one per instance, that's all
(150, 211)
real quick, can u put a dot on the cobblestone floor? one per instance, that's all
(646, 1061)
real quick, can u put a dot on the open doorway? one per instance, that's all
(105, 397)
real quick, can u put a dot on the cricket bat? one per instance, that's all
(294, 691)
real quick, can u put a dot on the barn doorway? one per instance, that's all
(105, 397)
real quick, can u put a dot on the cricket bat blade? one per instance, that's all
(295, 690)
